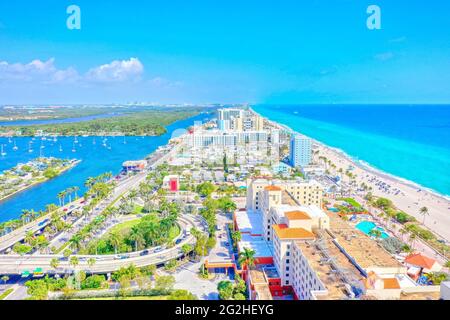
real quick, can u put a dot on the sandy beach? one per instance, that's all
(405, 196)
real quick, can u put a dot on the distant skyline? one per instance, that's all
(268, 52)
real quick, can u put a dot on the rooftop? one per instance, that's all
(420, 260)
(283, 232)
(249, 222)
(325, 258)
(367, 252)
(260, 284)
(297, 215)
(272, 188)
(262, 248)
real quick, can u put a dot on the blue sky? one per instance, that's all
(315, 51)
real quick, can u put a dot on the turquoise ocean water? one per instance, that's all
(411, 142)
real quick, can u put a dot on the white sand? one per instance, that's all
(410, 199)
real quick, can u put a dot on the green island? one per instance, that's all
(147, 122)
(23, 113)
(24, 176)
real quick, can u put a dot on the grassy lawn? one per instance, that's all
(124, 227)
(138, 210)
(353, 203)
(174, 232)
(7, 292)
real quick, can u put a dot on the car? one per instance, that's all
(121, 257)
(144, 253)
(159, 249)
(178, 241)
(63, 259)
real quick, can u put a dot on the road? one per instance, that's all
(16, 264)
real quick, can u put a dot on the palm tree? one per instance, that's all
(132, 196)
(29, 237)
(69, 192)
(89, 182)
(51, 207)
(54, 263)
(91, 262)
(236, 236)
(247, 258)
(61, 197)
(75, 242)
(137, 237)
(375, 233)
(403, 231)
(424, 212)
(73, 261)
(412, 238)
(75, 190)
(5, 279)
(115, 238)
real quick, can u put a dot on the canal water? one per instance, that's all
(97, 156)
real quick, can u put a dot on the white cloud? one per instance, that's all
(36, 70)
(46, 72)
(117, 71)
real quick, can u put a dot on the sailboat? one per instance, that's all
(124, 140)
(54, 139)
(73, 148)
(30, 150)
(3, 153)
(9, 140)
(93, 141)
(60, 148)
(15, 148)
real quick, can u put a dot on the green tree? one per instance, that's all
(181, 295)
(164, 283)
(377, 234)
(74, 261)
(205, 189)
(247, 258)
(54, 263)
(67, 253)
(91, 262)
(186, 249)
(424, 212)
(236, 236)
(437, 277)
(225, 289)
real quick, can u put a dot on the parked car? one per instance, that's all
(144, 253)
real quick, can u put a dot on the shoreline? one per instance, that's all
(406, 195)
(71, 166)
(364, 165)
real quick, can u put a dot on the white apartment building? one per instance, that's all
(300, 151)
(304, 192)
